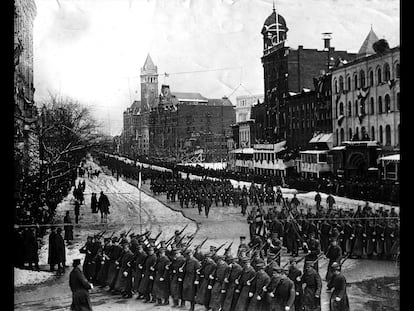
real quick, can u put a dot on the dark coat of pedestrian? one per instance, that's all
(53, 258)
(339, 299)
(79, 287)
(68, 228)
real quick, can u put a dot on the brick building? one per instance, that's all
(244, 105)
(26, 143)
(183, 124)
(287, 70)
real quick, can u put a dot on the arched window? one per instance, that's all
(348, 83)
(336, 86)
(342, 135)
(341, 108)
(397, 70)
(362, 78)
(350, 134)
(372, 133)
(362, 107)
(379, 76)
(336, 110)
(349, 109)
(387, 101)
(379, 104)
(372, 105)
(356, 136)
(387, 72)
(388, 135)
(356, 108)
(341, 84)
(363, 133)
(355, 81)
(371, 78)
(380, 135)
(398, 100)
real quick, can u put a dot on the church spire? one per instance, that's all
(149, 67)
(366, 47)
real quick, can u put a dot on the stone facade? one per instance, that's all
(244, 105)
(366, 100)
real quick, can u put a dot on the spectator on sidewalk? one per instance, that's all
(68, 228)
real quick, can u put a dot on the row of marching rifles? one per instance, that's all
(252, 280)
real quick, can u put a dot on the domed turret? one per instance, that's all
(274, 30)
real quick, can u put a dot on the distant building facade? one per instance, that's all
(187, 124)
(244, 105)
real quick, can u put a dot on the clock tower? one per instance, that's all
(149, 85)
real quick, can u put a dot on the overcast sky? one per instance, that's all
(92, 50)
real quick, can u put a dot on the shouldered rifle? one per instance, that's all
(297, 261)
(169, 241)
(219, 248)
(180, 240)
(343, 260)
(200, 245)
(128, 231)
(182, 230)
(158, 235)
(228, 247)
(112, 234)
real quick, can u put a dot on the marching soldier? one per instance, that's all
(161, 283)
(207, 271)
(312, 286)
(138, 262)
(79, 286)
(103, 271)
(281, 290)
(334, 254)
(339, 298)
(231, 282)
(191, 278)
(145, 286)
(258, 300)
(177, 277)
(124, 280)
(243, 247)
(217, 297)
(314, 251)
(296, 276)
(243, 287)
(113, 269)
(87, 249)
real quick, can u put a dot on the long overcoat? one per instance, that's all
(191, 274)
(244, 286)
(234, 274)
(338, 283)
(139, 268)
(177, 277)
(124, 283)
(79, 287)
(161, 288)
(147, 281)
(207, 276)
(114, 257)
(313, 287)
(217, 297)
(261, 280)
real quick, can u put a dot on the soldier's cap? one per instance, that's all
(141, 239)
(59, 229)
(335, 266)
(292, 259)
(107, 239)
(122, 233)
(76, 262)
(208, 255)
(244, 259)
(308, 263)
(114, 239)
(89, 237)
(213, 248)
(242, 238)
(124, 241)
(177, 251)
(162, 249)
(150, 249)
(220, 257)
(230, 258)
(276, 267)
(188, 251)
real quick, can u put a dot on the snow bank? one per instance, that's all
(26, 277)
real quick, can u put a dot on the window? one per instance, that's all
(355, 82)
(336, 86)
(337, 137)
(387, 100)
(387, 72)
(362, 78)
(397, 71)
(342, 135)
(380, 134)
(350, 134)
(322, 157)
(372, 133)
(398, 135)
(356, 134)
(341, 84)
(398, 100)
(363, 133)
(341, 108)
(379, 104)
(379, 76)
(371, 78)
(348, 86)
(349, 109)
(356, 108)
(362, 107)
(372, 110)
(388, 135)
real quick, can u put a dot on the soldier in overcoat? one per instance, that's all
(243, 287)
(339, 298)
(191, 278)
(312, 288)
(258, 301)
(79, 286)
(217, 297)
(161, 288)
(147, 281)
(139, 260)
(124, 279)
(177, 277)
(231, 282)
(207, 271)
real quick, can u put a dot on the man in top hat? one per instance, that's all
(79, 286)
(339, 298)
(281, 290)
(256, 293)
(312, 288)
(296, 276)
(177, 276)
(207, 270)
(191, 278)
(145, 287)
(231, 282)
(244, 283)
(217, 297)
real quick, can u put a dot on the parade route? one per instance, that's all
(225, 224)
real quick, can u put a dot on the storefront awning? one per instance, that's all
(390, 158)
(322, 138)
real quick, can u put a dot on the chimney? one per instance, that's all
(327, 36)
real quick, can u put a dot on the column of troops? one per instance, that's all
(252, 280)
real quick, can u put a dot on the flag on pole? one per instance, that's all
(139, 180)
